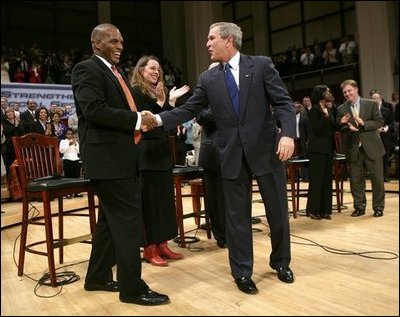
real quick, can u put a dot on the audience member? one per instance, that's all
(28, 117)
(320, 152)
(156, 162)
(69, 148)
(42, 125)
(361, 121)
(387, 132)
(11, 127)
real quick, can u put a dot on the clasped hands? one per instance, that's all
(149, 121)
(358, 122)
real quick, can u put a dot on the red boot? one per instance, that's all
(164, 251)
(151, 256)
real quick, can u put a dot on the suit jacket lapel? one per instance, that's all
(245, 78)
(111, 76)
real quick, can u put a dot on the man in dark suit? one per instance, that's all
(387, 131)
(361, 120)
(109, 155)
(209, 161)
(248, 143)
(28, 117)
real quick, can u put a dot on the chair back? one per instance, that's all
(37, 156)
(339, 143)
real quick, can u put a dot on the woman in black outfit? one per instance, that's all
(156, 162)
(320, 152)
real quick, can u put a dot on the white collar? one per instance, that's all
(104, 61)
(234, 61)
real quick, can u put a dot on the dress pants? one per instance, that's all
(238, 202)
(118, 235)
(357, 181)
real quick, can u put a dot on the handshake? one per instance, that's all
(149, 121)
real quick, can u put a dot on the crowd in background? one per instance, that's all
(318, 56)
(35, 65)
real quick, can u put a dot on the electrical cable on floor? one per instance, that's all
(62, 278)
(365, 254)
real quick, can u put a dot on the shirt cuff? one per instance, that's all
(159, 121)
(139, 121)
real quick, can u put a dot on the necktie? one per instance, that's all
(354, 110)
(232, 89)
(131, 102)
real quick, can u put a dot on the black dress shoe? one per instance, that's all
(146, 297)
(110, 286)
(315, 217)
(222, 244)
(285, 274)
(357, 213)
(246, 285)
(326, 216)
(378, 213)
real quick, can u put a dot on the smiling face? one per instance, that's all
(350, 93)
(151, 72)
(107, 42)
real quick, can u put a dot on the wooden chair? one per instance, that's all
(339, 168)
(39, 171)
(181, 174)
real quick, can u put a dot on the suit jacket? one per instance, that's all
(154, 150)
(389, 138)
(255, 133)
(105, 122)
(37, 127)
(27, 119)
(321, 139)
(368, 134)
(208, 156)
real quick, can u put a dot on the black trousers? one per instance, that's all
(72, 169)
(238, 201)
(118, 235)
(215, 203)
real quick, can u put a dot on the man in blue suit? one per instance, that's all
(248, 144)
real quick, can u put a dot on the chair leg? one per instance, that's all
(49, 238)
(61, 228)
(24, 229)
(195, 192)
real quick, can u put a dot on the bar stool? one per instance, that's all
(179, 175)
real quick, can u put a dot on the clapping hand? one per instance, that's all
(160, 93)
(149, 121)
(176, 93)
(359, 122)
